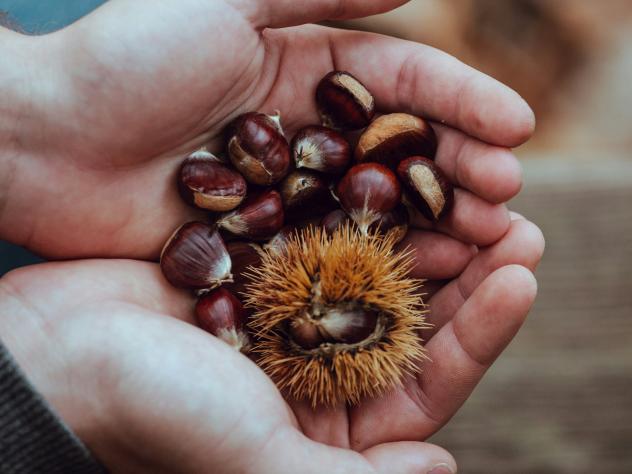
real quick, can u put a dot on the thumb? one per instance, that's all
(288, 451)
(410, 457)
(282, 13)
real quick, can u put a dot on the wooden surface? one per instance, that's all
(559, 400)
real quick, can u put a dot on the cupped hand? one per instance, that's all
(118, 98)
(110, 345)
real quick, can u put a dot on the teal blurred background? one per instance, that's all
(44, 16)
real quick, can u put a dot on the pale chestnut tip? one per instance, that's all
(195, 257)
(426, 187)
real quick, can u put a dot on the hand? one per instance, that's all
(108, 344)
(114, 101)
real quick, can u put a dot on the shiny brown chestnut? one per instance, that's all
(222, 314)
(206, 183)
(426, 187)
(334, 220)
(393, 222)
(195, 257)
(258, 218)
(278, 243)
(344, 102)
(393, 137)
(305, 193)
(343, 322)
(258, 149)
(367, 192)
(321, 149)
(244, 257)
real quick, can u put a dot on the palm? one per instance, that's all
(162, 88)
(151, 375)
(141, 97)
(139, 371)
(149, 361)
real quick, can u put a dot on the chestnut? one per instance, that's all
(258, 218)
(205, 182)
(244, 256)
(195, 257)
(334, 220)
(258, 149)
(305, 193)
(321, 149)
(278, 243)
(393, 222)
(393, 137)
(222, 314)
(343, 102)
(367, 192)
(426, 187)
(343, 322)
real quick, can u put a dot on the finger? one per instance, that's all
(410, 77)
(432, 287)
(472, 220)
(435, 255)
(466, 347)
(282, 13)
(488, 319)
(327, 425)
(288, 452)
(493, 173)
(522, 245)
(408, 457)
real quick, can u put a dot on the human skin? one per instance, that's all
(95, 119)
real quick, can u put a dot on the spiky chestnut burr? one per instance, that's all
(336, 316)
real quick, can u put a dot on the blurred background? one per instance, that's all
(559, 400)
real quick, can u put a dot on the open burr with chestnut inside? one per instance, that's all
(297, 263)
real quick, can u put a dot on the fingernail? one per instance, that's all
(442, 468)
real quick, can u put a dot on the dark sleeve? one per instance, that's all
(32, 438)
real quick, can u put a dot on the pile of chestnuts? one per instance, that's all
(264, 187)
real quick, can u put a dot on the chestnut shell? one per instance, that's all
(208, 184)
(393, 137)
(344, 102)
(426, 187)
(258, 149)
